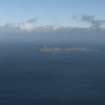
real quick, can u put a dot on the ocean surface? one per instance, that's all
(29, 77)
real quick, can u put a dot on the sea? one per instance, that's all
(30, 77)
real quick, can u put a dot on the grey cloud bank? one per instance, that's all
(75, 35)
(95, 24)
(28, 31)
(31, 26)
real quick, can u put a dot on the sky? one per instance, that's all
(51, 12)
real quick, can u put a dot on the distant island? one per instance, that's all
(61, 50)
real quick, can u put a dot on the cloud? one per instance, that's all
(30, 25)
(95, 23)
(27, 25)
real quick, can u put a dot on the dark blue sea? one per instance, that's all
(28, 77)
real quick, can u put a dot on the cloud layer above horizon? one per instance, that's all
(31, 25)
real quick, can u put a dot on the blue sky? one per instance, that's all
(56, 12)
